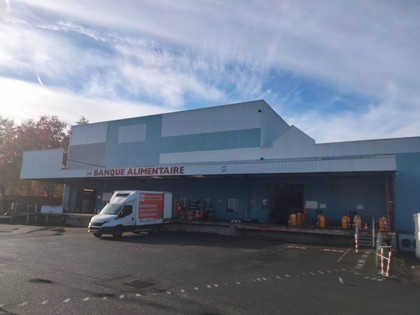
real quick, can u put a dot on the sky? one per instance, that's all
(337, 70)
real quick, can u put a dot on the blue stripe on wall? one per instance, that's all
(212, 141)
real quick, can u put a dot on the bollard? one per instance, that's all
(389, 262)
(356, 241)
(382, 261)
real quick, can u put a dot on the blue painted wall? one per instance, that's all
(407, 191)
(147, 152)
(138, 153)
(340, 194)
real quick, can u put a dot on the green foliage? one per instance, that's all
(49, 132)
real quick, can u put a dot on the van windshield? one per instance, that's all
(111, 208)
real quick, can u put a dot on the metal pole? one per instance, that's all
(373, 231)
(356, 236)
(382, 261)
(389, 262)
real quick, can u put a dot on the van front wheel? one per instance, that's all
(117, 233)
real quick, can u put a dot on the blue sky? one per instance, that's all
(338, 70)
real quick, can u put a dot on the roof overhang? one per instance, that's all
(261, 167)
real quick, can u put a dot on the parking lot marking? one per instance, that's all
(332, 250)
(86, 299)
(66, 300)
(296, 247)
(44, 302)
(342, 256)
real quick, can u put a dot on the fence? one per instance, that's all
(384, 255)
(13, 204)
(383, 252)
(366, 237)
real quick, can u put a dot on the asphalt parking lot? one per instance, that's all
(63, 270)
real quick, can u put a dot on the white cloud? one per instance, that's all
(21, 100)
(358, 44)
(167, 52)
(388, 119)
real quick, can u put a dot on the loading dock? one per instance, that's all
(245, 158)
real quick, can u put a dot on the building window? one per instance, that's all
(233, 205)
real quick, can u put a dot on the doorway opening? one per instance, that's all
(85, 200)
(284, 200)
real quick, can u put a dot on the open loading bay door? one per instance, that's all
(284, 200)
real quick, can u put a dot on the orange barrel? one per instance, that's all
(292, 219)
(323, 220)
(383, 224)
(359, 223)
(300, 218)
(345, 222)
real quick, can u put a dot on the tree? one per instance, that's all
(82, 121)
(7, 135)
(48, 132)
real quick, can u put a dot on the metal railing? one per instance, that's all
(382, 256)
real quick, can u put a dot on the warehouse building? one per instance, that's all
(235, 162)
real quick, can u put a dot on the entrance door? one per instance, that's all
(85, 200)
(284, 200)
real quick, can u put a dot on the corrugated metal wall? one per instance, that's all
(339, 194)
(343, 195)
(407, 190)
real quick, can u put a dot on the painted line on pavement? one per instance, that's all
(342, 256)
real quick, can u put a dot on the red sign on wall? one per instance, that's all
(150, 206)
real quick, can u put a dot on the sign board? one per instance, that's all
(311, 204)
(137, 171)
(51, 209)
(150, 206)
